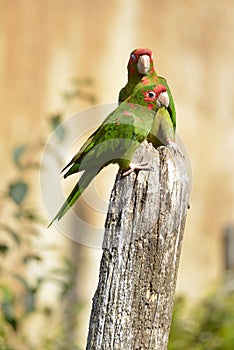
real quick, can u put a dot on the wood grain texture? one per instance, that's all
(132, 307)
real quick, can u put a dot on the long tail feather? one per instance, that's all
(66, 166)
(79, 188)
(74, 169)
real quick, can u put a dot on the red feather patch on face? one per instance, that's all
(150, 106)
(134, 57)
(145, 81)
(142, 51)
(159, 89)
(151, 96)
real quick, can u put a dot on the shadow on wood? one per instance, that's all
(132, 307)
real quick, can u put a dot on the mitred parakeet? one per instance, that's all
(116, 140)
(141, 72)
(162, 131)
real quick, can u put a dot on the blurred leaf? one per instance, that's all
(69, 95)
(80, 90)
(17, 191)
(25, 283)
(90, 98)
(31, 257)
(82, 82)
(17, 154)
(22, 280)
(12, 233)
(29, 294)
(8, 313)
(29, 300)
(56, 124)
(3, 249)
(55, 121)
(31, 215)
(7, 294)
(8, 307)
(48, 311)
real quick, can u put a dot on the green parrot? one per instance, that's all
(116, 140)
(162, 131)
(141, 72)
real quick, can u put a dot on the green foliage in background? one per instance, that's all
(209, 325)
(21, 226)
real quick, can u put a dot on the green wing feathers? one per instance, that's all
(115, 141)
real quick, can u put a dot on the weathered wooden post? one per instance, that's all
(132, 306)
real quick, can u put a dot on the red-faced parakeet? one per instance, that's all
(141, 72)
(116, 140)
(162, 131)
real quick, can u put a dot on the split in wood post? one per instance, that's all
(132, 306)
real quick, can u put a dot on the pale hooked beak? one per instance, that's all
(163, 100)
(143, 64)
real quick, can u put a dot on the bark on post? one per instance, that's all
(132, 307)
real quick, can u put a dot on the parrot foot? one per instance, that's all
(172, 145)
(133, 167)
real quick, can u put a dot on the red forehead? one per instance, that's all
(159, 89)
(150, 99)
(142, 51)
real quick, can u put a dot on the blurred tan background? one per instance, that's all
(43, 44)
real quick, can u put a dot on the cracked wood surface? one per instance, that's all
(132, 306)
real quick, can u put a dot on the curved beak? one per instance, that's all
(163, 100)
(143, 64)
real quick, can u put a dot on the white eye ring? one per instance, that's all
(151, 94)
(133, 57)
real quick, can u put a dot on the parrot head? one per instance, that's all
(156, 96)
(152, 96)
(141, 62)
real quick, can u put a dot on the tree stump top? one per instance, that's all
(132, 307)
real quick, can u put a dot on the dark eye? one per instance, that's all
(151, 94)
(133, 57)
